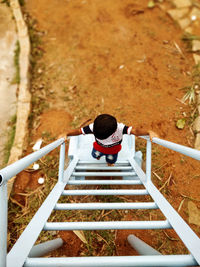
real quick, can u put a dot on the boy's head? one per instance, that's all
(104, 126)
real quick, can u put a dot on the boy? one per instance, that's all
(108, 135)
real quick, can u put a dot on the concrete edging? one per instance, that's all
(24, 96)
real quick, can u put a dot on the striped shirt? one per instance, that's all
(112, 144)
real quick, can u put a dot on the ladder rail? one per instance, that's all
(19, 252)
(5, 175)
(189, 238)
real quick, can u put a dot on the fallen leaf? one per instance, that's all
(151, 4)
(194, 213)
(180, 124)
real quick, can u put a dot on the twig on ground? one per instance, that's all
(160, 167)
(170, 238)
(179, 50)
(179, 100)
(167, 182)
(161, 246)
(191, 198)
(159, 178)
(181, 204)
(16, 202)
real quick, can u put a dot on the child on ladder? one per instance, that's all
(108, 135)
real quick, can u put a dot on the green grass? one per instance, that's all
(10, 140)
(188, 38)
(7, 2)
(16, 79)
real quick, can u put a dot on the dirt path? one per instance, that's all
(8, 38)
(116, 57)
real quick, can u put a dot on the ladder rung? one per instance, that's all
(104, 182)
(103, 174)
(106, 168)
(107, 225)
(105, 206)
(120, 261)
(105, 192)
(123, 162)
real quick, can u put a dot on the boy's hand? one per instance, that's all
(62, 136)
(152, 134)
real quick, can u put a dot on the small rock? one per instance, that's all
(195, 13)
(189, 30)
(184, 23)
(194, 213)
(39, 71)
(197, 142)
(36, 166)
(195, 45)
(41, 86)
(196, 58)
(196, 124)
(121, 67)
(165, 41)
(182, 3)
(193, 17)
(188, 73)
(177, 14)
(41, 180)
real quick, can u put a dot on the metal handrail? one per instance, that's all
(43, 213)
(8, 172)
(188, 151)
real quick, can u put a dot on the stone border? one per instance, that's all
(184, 13)
(24, 96)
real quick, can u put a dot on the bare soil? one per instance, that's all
(117, 57)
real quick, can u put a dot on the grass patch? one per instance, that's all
(7, 2)
(10, 140)
(16, 79)
(21, 2)
(188, 38)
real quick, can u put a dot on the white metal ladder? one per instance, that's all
(82, 165)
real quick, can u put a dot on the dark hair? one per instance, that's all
(104, 126)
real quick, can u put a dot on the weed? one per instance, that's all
(65, 89)
(190, 94)
(191, 90)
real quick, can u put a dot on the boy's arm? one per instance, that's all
(74, 132)
(139, 132)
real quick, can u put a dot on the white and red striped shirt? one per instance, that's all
(112, 144)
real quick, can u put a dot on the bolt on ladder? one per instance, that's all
(82, 165)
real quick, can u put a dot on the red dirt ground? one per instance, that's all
(118, 57)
